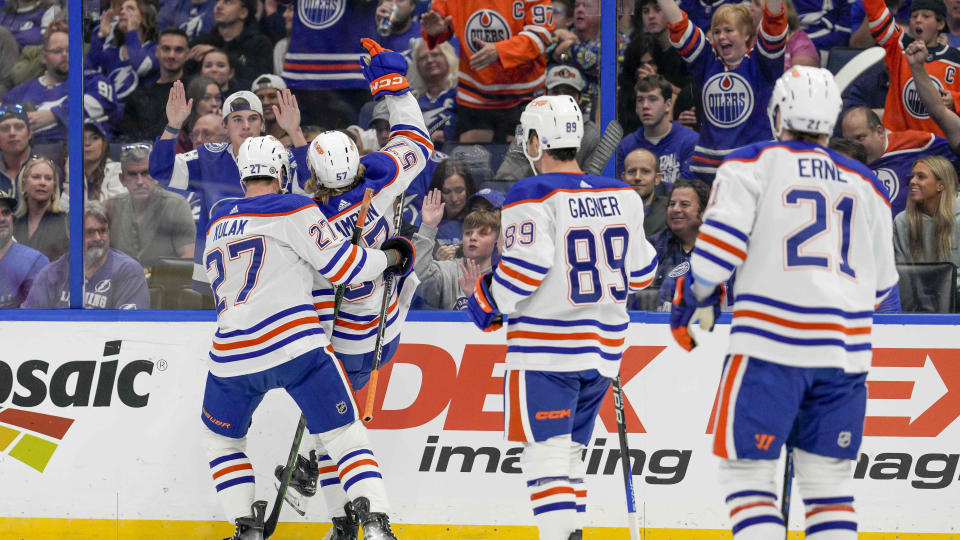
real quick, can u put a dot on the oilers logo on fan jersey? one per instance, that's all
(890, 180)
(488, 26)
(728, 99)
(911, 99)
(320, 14)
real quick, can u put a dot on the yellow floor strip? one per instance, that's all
(105, 529)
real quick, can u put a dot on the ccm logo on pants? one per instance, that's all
(553, 415)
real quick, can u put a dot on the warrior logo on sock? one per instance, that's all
(728, 99)
(889, 178)
(486, 25)
(320, 14)
(911, 99)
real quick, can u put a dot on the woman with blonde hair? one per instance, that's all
(39, 222)
(433, 80)
(929, 229)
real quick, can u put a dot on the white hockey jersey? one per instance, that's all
(261, 256)
(810, 234)
(574, 249)
(389, 172)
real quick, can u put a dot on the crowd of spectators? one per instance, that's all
(172, 87)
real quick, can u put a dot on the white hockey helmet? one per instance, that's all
(808, 101)
(263, 157)
(334, 159)
(557, 121)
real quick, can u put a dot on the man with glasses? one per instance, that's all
(211, 170)
(148, 223)
(19, 264)
(47, 93)
(111, 280)
(143, 116)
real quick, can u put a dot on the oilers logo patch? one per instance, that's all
(727, 99)
(911, 99)
(889, 179)
(320, 14)
(486, 25)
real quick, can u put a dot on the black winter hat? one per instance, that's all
(936, 6)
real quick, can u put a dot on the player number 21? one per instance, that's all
(821, 222)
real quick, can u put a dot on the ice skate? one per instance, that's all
(251, 528)
(376, 525)
(576, 535)
(303, 482)
(344, 528)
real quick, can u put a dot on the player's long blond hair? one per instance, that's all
(324, 194)
(943, 219)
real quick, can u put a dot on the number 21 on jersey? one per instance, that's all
(828, 217)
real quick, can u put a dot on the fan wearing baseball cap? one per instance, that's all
(19, 264)
(267, 87)
(211, 170)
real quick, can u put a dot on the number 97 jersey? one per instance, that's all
(573, 249)
(810, 234)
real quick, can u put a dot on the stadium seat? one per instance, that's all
(839, 56)
(928, 287)
(645, 300)
(170, 276)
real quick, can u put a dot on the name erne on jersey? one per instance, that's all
(586, 205)
(819, 168)
(229, 227)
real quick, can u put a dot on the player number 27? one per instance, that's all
(255, 247)
(821, 222)
(583, 260)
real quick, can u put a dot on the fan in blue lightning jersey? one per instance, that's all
(211, 170)
(736, 80)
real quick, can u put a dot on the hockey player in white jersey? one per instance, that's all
(809, 233)
(573, 250)
(339, 178)
(261, 254)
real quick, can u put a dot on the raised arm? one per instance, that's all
(948, 120)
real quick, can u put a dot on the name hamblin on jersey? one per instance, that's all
(574, 248)
(809, 233)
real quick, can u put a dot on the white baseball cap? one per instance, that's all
(268, 80)
(253, 103)
(568, 75)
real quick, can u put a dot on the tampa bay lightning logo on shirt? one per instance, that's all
(216, 146)
(890, 179)
(125, 81)
(727, 99)
(486, 25)
(102, 286)
(911, 99)
(320, 14)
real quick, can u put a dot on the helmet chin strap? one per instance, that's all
(532, 159)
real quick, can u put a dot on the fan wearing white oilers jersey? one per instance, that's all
(573, 250)
(338, 182)
(809, 233)
(261, 254)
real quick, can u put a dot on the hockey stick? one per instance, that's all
(787, 488)
(632, 519)
(355, 240)
(382, 323)
(857, 66)
(605, 148)
(271, 524)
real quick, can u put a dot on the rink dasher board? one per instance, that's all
(140, 457)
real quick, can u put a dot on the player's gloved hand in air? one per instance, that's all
(386, 70)
(481, 308)
(401, 263)
(686, 310)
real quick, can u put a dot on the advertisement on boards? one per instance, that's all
(102, 420)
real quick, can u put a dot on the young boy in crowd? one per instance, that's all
(448, 284)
